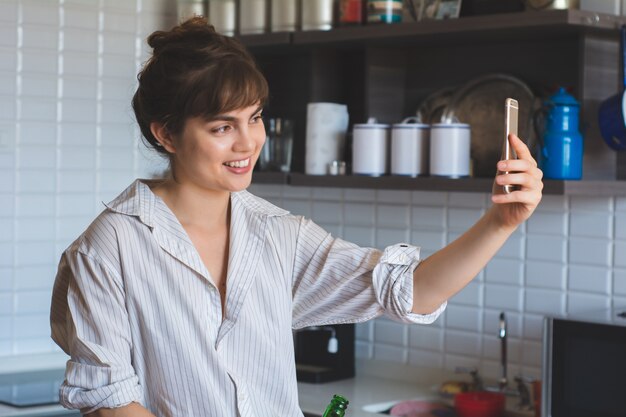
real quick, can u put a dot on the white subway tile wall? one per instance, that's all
(562, 261)
(69, 142)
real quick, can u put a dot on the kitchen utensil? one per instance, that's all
(611, 114)
(502, 335)
(479, 104)
(450, 150)
(370, 142)
(561, 153)
(410, 148)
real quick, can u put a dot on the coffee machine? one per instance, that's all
(324, 353)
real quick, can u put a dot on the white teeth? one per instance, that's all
(238, 164)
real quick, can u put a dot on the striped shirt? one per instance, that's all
(135, 308)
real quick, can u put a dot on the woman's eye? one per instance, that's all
(221, 129)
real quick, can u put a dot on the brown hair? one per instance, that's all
(194, 72)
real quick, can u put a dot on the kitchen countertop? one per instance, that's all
(361, 392)
(378, 384)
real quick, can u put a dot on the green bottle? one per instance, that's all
(337, 407)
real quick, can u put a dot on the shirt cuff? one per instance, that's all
(89, 388)
(393, 284)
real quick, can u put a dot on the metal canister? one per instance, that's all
(384, 11)
(252, 16)
(223, 16)
(317, 14)
(284, 15)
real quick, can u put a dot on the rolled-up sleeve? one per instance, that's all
(339, 282)
(89, 322)
(393, 284)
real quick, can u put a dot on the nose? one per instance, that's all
(246, 141)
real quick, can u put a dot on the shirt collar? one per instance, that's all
(139, 200)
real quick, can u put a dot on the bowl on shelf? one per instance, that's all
(479, 404)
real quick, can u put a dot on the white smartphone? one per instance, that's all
(511, 111)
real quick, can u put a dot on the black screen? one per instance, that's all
(588, 370)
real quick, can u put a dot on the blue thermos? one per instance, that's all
(561, 154)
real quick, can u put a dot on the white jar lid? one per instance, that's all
(450, 125)
(411, 126)
(371, 126)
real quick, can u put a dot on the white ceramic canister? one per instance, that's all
(317, 14)
(370, 144)
(284, 15)
(326, 128)
(223, 16)
(410, 148)
(252, 16)
(450, 150)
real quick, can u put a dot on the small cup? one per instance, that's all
(450, 150)
(337, 168)
(410, 148)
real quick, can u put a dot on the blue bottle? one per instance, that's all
(561, 155)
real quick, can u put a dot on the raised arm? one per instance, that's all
(448, 270)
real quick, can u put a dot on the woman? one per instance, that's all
(181, 297)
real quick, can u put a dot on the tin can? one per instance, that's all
(317, 14)
(350, 12)
(384, 11)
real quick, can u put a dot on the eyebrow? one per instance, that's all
(227, 118)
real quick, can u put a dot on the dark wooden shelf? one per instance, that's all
(477, 185)
(264, 177)
(523, 25)
(266, 39)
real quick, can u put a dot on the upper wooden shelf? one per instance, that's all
(472, 185)
(523, 25)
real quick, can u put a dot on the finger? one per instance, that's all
(530, 198)
(521, 149)
(520, 166)
(526, 181)
(516, 165)
(531, 195)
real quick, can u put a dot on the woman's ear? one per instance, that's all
(162, 134)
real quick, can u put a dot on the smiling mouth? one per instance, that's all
(238, 164)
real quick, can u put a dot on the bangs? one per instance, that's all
(240, 84)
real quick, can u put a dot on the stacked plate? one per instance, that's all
(480, 103)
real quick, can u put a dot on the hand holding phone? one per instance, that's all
(511, 111)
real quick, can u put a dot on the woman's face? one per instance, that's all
(219, 154)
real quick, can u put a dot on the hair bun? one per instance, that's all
(193, 30)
